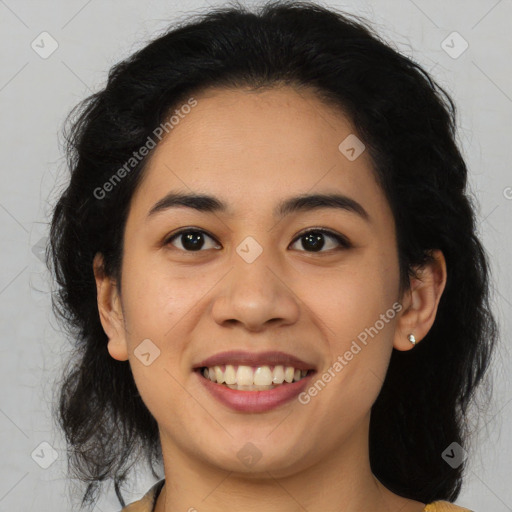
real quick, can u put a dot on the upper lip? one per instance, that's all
(242, 357)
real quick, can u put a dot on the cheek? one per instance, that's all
(355, 309)
(351, 299)
(156, 298)
(163, 315)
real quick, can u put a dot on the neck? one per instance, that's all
(339, 481)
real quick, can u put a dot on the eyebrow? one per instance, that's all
(302, 203)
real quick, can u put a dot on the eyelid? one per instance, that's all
(343, 241)
(176, 234)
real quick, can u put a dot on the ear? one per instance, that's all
(111, 314)
(420, 302)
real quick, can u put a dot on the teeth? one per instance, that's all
(278, 377)
(219, 375)
(230, 374)
(289, 373)
(262, 376)
(244, 376)
(249, 378)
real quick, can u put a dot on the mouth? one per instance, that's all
(253, 378)
(254, 382)
(262, 394)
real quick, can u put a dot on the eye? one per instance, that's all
(313, 240)
(190, 239)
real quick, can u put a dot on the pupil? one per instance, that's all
(315, 241)
(192, 240)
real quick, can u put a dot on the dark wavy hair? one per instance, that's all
(408, 124)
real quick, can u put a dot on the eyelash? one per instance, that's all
(343, 241)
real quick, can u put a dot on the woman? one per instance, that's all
(269, 261)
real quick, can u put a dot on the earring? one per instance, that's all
(412, 339)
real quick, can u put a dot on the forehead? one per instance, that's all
(253, 148)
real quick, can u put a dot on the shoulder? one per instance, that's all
(147, 502)
(444, 506)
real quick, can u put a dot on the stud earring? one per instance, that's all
(412, 339)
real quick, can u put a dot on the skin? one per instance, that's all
(252, 150)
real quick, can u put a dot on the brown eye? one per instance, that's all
(191, 240)
(314, 240)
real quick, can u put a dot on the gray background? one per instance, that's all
(35, 95)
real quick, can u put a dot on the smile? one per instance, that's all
(249, 378)
(254, 398)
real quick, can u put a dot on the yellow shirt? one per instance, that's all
(147, 503)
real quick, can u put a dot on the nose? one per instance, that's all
(256, 295)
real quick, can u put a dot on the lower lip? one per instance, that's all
(255, 401)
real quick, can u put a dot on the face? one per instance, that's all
(313, 282)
